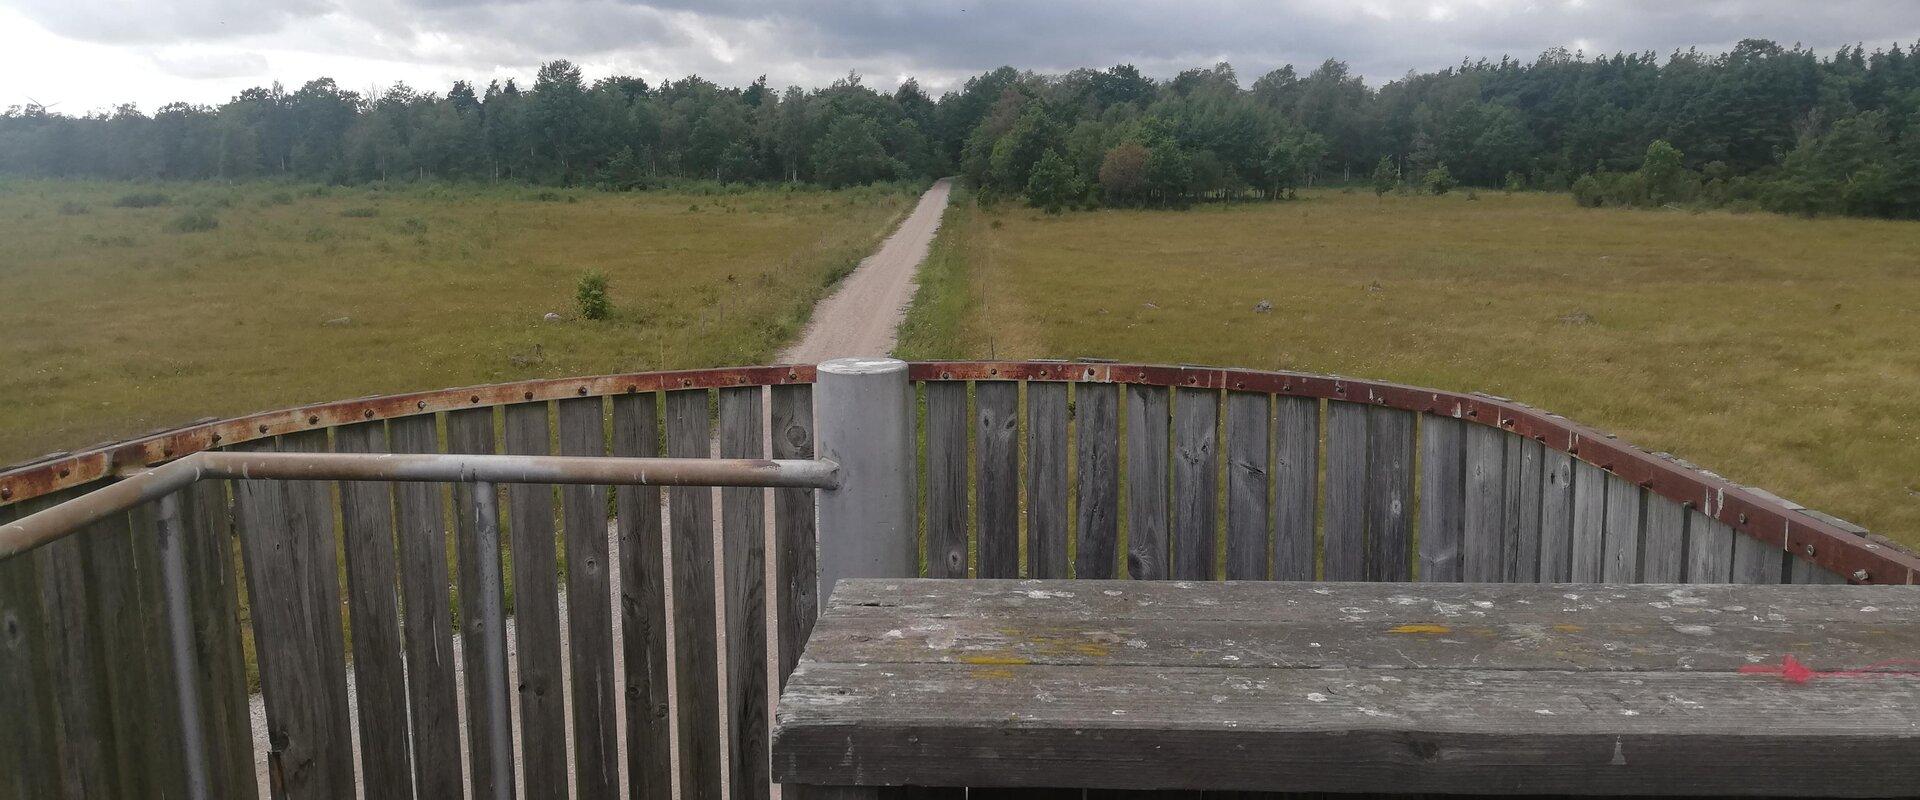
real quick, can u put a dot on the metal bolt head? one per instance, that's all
(1809, 551)
(1861, 575)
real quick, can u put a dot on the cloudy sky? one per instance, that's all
(89, 54)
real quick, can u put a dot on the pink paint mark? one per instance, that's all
(1793, 671)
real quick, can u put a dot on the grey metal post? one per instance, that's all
(493, 636)
(186, 680)
(863, 408)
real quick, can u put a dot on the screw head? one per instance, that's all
(1861, 575)
(1808, 550)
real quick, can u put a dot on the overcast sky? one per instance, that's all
(89, 54)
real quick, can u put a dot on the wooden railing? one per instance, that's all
(1043, 469)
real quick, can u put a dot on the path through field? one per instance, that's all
(861, 317)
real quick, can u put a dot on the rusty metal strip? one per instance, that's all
(1837, 548)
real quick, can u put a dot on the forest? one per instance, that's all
(1764, 125)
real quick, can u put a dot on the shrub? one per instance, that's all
(1586, 192)
(73, 209)
(141, 200)
(1053, 184)
(278, 199)
(591, 295)
(1439, 180)
(1516, 182)
(1385, 176)
(195, 221)
(361, 212)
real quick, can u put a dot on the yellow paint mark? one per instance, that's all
(1567, 627)
(1422, 628)
(987, 658)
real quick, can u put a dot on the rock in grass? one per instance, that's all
(1263, 307)
(338, 322)
(1576, 318)
(551, 317)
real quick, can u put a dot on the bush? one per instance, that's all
(591, 296)
(1385, 176)
(196, 221)
(1516, 182)
(73, 209)
(1053, 184)
(1587, 193)
(361, 212)
(278, 199)
(1439, 180)
(141, 200)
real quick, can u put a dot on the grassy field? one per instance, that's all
(1781, 352)
(118, 320)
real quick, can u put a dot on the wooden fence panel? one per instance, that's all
(1589, 512)
(1443, 492)
(1709, 549)
(1196, 482)
(1147, 423)
(946, 479)
(29, 769)
(536, 610)
(1296, 492)
(743, 528)
(470, 431)
(1389, 494)
(1621, 544)
(1755, 561)
(793, 522)
(1804, 571)
(997, 478)
(1556, 517)
(213, 608)
(1482, 537)
(1249, 479)
(695, 633)
(596, 751)
(1097, 447)
(1664, 553)
(76, 674)
(1047, 530)
(294, 592)
(124, 572)
(366, 516)
(643, 609)
(433, 700)
(1345, 535)
(1521, 511)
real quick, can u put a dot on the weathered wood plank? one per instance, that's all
(1249, 477)
(1589, 511)
(1620, 561)
(643, 598)
(213, 586)
(1196, 482)
(1147, 455)
(1755, 561)
(536, 609)
(366, 517)
(1389, 494)
(1047, 531)
(1807, 572)
(1097, 447)
(696, 663)
(123, 566)
(596, 754)
(1709, 549)
(1482, 539)
(946, 479)
(1443, 491)
(29, 764)
(1344, 544)
(294, 593)
(76, 676)
(997, 477)
(1296, 493)
(433, 702)
(743, 529)
(1521, 510)
(1664, 555)
(1556, 517)
(470, 431)
(792, 424)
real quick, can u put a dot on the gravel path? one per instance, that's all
(859, 319)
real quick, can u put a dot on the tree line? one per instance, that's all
(1776, 126)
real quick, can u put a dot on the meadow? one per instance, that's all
(1781, 352)
(130, 307)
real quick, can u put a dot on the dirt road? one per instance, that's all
(864, 312)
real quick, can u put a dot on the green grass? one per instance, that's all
(1783, 353)
(116, 324)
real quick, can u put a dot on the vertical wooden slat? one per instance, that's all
(1147, 423)
(536, 610)
(1389, 494)
(1755, 561)
(433, 702)
(1709, 549)
(1621, 544)
(792, 422)
(996, 418)
(643, 609)
(1097, 442)
(1046, 479)
(123, 568)
(470, 431)
(1482, 537)
(1664, 559)
(1296, 493)
(1196, 482)
(696, 663)
(1556, 517)
(366, 510)
(1805, 572)
(1589, 511)
(294, 593)
(1249, 475)
(29, 767)
(743, 524)
(596, 754)
(1345, 535)
(1443, 491)
(1525, 462)
(946, 479)
(76, 673)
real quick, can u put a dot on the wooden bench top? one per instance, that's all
(1358, 687)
